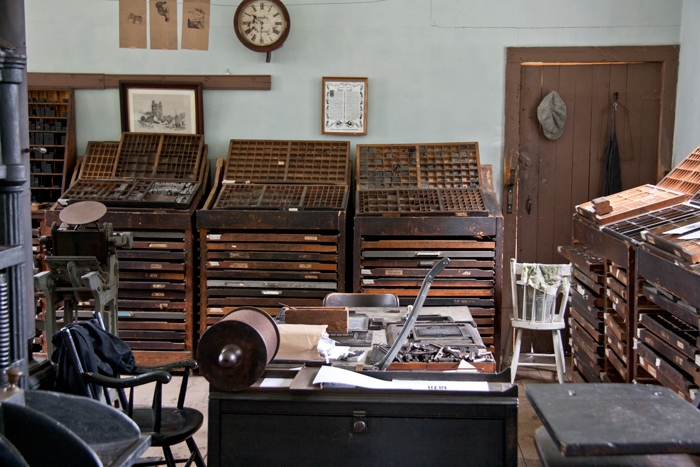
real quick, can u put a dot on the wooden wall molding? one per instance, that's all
(105, 81)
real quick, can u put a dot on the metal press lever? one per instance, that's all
(384, 363)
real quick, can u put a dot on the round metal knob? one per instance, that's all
(359, 426)
(231, 356)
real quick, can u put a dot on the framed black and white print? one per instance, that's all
(344, 106)
(161, 108)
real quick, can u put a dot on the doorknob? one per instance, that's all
(528, 205)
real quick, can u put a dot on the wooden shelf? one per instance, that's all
(62, 156)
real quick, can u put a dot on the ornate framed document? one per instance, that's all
(344, 106)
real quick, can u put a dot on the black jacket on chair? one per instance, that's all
(101, 352)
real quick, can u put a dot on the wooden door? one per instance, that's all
(555, 176)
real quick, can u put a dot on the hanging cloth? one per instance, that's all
(612, 181)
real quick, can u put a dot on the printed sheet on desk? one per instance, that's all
(337, 377)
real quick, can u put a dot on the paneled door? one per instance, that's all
(555, 176)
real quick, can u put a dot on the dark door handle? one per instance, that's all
(528, 205)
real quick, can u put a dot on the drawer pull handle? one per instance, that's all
(428, 253)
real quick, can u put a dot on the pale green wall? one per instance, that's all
(435, 67)
(687, 131)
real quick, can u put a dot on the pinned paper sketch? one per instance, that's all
(163, 24)
(195, 25)
(132, 24)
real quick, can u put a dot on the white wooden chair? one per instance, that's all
(536, 309)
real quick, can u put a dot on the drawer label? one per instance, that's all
(394, 272)
(310, 238)
(680, 345)
(213, 263)
(156, 266)
(310, 277)
(305, 266)
(368, 281)
(240, 265)
(158, 286)
(213, 237)
(157, 294)
(366, 272)
(157, 245)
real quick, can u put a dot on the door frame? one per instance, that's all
(516, 57)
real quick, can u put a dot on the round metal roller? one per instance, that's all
(233, 353)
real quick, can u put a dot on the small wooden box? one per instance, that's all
(336, 317)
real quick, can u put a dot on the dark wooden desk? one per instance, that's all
(616, 419)
(307, 426)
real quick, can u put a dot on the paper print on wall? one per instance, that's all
(132, 24)
(195, 24)
(163, 22)
(162, 111)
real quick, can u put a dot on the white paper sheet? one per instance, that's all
(276, 382)
(338, 377)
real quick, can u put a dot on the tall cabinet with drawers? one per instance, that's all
(416, 204)
(152, 185)
(273, 230)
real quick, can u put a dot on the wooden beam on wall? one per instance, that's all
(103, 81)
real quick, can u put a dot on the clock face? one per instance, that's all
(262, 23)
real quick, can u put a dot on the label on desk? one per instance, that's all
(333, 376)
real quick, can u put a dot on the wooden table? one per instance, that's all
(616, 419)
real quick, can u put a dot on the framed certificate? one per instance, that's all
(344, 106)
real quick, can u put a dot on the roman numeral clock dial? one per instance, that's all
(262, 25)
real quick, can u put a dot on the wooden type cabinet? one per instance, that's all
(623, 301)
(416, 204)
(52, 127)
(393, 255)
(586, 314)
(273, 231)
(280, 259)
(359, 427)
(667, 341)
(158, 297)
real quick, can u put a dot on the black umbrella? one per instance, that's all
(612, 181)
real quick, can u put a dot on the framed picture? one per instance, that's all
(161, 108)
(344, 106)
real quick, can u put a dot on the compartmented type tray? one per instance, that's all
(682, 237)
(632, 202)
(685, 178)
(307, 162)
(98, 161)
(666, 218)
(248, 196)
(435, 165)
(155, 155)
(424, 201)
(144, 170)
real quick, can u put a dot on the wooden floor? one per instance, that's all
(198, 392)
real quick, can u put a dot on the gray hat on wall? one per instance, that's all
(552, 115)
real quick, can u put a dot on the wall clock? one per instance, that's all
(262, 25)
